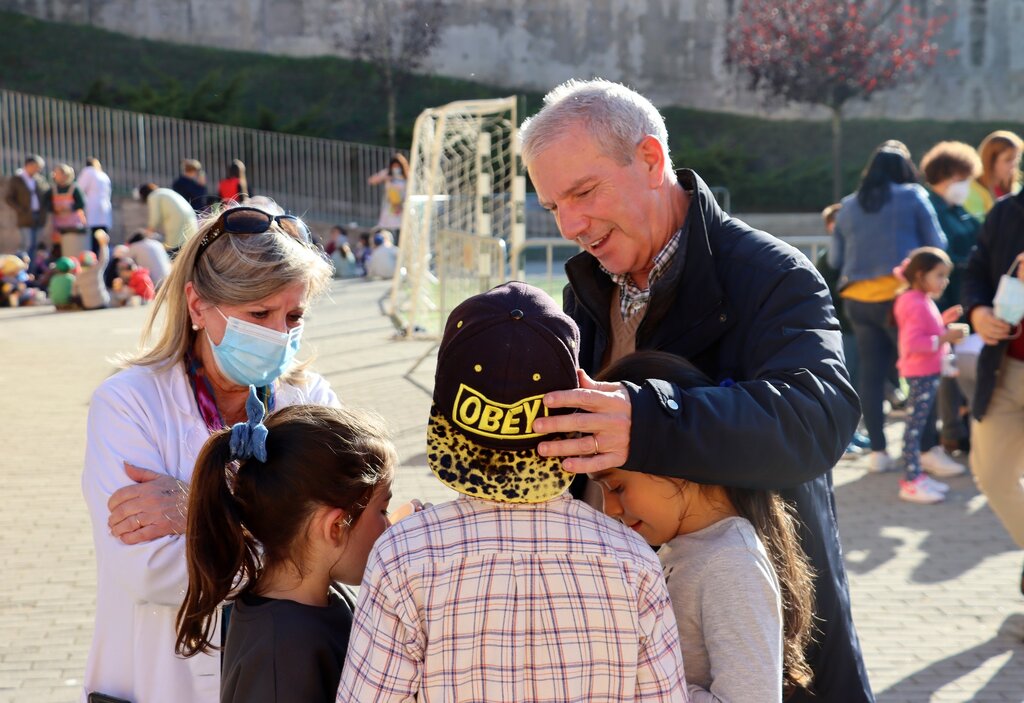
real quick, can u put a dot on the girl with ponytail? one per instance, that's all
(278, 513)
(740, 584)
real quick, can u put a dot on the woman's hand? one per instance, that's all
(991, 328)
(155, 506)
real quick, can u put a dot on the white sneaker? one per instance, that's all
(880, 462)
(936, 462)
(918, 491)
(938, 486)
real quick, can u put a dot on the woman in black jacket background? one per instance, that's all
(997, 430)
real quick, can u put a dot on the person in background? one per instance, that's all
(949, 168)
(191, 185)
(344, 261)
(362, 251)
(860, 443)
(40, 261)
(95, 185)
(169, 214)
(234, 188)
(1000, 154)
(26, 194)
(337, 237)
(151, 255)
(137, 279)
(925, 335)
(15, 290)
(90, 291)
(394, 179)
(887, 217)
(383, 258)
(62, 283)
(66, 205)
(993, 296)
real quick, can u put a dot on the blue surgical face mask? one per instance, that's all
(253, 355)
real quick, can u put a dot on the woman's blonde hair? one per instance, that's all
(66, 171)
(234, 269)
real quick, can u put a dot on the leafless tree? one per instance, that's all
(396, 36)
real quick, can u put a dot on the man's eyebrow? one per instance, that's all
(601, 475)
(575, 185)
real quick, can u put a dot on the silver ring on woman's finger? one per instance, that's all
(138, 522)
(597, 449)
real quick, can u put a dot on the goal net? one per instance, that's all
(463, 211)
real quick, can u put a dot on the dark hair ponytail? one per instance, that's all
(773, 520)
(245, 517)
(217, 549)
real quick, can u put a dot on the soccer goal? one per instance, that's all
(463, 211)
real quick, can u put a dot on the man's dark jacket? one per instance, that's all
(192, 191)
(19, 197)
(1000, 241)
(752, 313)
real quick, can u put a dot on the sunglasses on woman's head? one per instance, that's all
(250, 220)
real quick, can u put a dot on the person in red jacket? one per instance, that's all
(137, 279)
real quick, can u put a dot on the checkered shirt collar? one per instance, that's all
(633, 300)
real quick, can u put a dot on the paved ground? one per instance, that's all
(934, 588)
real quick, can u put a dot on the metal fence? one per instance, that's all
(322, 179)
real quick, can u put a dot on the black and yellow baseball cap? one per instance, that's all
(501, 352)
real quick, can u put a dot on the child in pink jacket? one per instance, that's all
(923, 342)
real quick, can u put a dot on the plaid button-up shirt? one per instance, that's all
(480, 601)
(633, 299)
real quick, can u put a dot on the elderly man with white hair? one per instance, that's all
(664, 268)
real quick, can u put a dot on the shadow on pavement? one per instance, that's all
(960, 533)
(920, 685)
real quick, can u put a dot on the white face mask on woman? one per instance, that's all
(958, 191)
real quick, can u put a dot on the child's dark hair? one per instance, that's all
(246, 516)
(773, 519)
(922, 260)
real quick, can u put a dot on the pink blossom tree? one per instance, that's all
(827, 52)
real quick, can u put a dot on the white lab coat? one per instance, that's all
(95, 186)
(147, 416)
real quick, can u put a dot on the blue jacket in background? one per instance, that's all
(867, 245)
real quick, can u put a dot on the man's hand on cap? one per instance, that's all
(604, 426)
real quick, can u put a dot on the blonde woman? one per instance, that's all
(1000, 162)
(230, 315)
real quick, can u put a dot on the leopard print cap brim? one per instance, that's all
(503, 475)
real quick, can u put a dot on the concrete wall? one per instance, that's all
(671, 50)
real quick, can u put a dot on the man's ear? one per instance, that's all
(651, 153)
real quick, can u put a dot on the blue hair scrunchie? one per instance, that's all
(249, 438)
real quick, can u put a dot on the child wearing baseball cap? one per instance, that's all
(514, 591)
